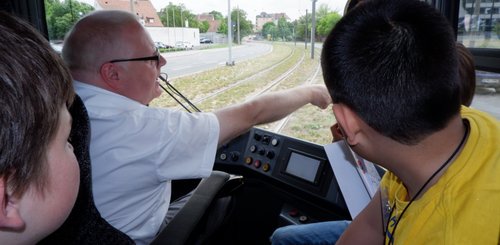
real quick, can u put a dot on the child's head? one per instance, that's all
(39, 174)
(394, 63)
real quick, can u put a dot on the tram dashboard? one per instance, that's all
(300, 168)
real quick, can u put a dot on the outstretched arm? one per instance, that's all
(235, 120)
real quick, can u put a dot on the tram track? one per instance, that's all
(276, 126)
(282, 123)
(259, 84)
(279, 79)
(239, 82)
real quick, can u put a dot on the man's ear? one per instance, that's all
(109, 74)
(10, 217)
(349, 123)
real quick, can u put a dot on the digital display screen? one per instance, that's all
(302, 166)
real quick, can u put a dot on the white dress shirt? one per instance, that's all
(136, 150)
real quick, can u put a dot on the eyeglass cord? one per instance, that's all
(174, 93)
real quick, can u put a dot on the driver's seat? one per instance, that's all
(204, 213)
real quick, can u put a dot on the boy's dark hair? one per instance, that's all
(350, 5)
(395, 64)
(34, 86)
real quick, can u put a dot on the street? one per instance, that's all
(182, 63)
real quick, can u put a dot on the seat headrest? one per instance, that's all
(84, 224)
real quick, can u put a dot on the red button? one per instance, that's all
(294, 212)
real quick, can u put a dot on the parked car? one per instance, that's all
(162, 45)
(205, 40)
(57, 46)
(184, 45)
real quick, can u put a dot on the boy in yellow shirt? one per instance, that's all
(391, 69)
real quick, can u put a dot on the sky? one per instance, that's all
(293, 8)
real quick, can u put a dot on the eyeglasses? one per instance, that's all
(155, 57)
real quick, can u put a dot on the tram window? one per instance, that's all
(479, 23)
(60, 17)
(479, 30)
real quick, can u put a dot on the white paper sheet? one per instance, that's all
(358, 178)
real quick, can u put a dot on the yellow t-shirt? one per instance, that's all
(463, 207)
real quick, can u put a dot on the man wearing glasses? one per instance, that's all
(137, 150)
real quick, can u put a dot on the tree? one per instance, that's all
(61, 16)
(300, 27)
(285, 29)
(177, 15)
(246, 26)
(326, 24)
(269, 29)
(204, 25)
(223, 26)
(325, 20)
(217, 15)
(322, 11)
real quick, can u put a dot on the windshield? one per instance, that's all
(479, 28)
(272, 49)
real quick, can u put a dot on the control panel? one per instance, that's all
(260, 153)
(297, 163)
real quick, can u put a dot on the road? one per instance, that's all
(191, 61)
